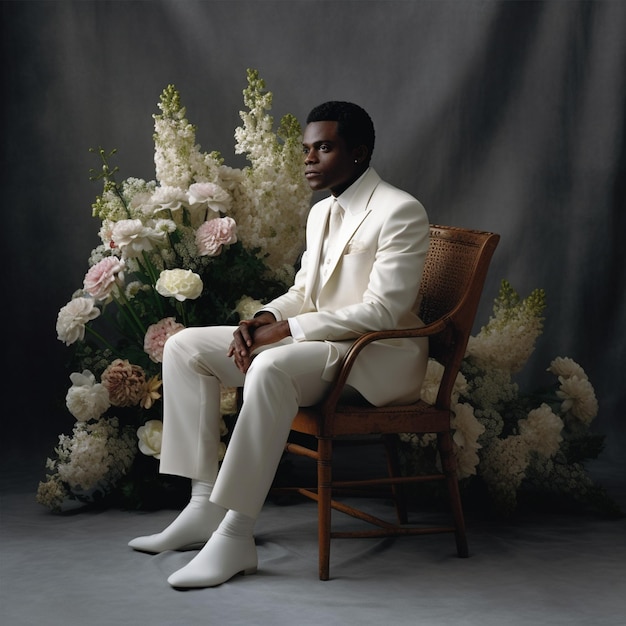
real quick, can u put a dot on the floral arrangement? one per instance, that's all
(511, 440)
(200, 245)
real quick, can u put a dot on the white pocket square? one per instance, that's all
(356, 246)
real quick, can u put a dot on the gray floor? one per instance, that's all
(541, 569)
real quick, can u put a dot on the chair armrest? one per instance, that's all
(364, 340)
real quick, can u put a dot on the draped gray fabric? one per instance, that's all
(503, 116)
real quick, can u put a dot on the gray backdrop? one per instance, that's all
(503, 116)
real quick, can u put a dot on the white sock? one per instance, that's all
(236, 525)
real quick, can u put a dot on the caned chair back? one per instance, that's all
(454, 273)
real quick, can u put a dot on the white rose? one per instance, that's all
(149, 436)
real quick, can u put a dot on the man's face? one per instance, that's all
(328, 162)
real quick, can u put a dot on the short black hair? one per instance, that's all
(353, 123)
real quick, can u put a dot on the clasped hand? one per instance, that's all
(252, 334)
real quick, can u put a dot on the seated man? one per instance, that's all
(365, 250)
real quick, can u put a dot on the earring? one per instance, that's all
(356, 160)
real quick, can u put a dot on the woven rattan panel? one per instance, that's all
(447, 271)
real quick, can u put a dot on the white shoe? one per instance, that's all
(189, 531)
(221, 558)
(155, 544)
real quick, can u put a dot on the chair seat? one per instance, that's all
(419, 417)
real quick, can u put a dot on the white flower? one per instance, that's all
(86, 400)
(209, 195)
(504, 465)
(542, 430)
(578, 397)
(247, 307)
(228, 405)
(150, 435)
(133, 237)
(106, 234)
(142, 203)
(96, 454)
(180, 284)
(509, 337)
(467, 430)
(168, 198)
(163, 227)
(567, 368)
(72, 318)
(432, 380)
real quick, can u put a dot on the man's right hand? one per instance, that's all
(243, 339)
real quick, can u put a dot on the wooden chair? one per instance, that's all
(452, 283)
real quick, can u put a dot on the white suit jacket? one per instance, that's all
(373, 274)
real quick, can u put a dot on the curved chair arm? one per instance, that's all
(364, 340)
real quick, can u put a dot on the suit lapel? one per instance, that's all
(360, 208)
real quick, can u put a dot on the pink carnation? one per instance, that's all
(156, 336)
(213, 234)
(103, 276)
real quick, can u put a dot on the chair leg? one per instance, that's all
(324, 494)
(448, 462)
(393, 467)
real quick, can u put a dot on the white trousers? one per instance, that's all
(281, 378)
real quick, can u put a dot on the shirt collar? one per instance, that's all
(346, 198)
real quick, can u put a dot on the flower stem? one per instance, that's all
(152, 275)
(103, 341)
(127, 310)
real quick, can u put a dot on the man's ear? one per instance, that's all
(361, 154)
